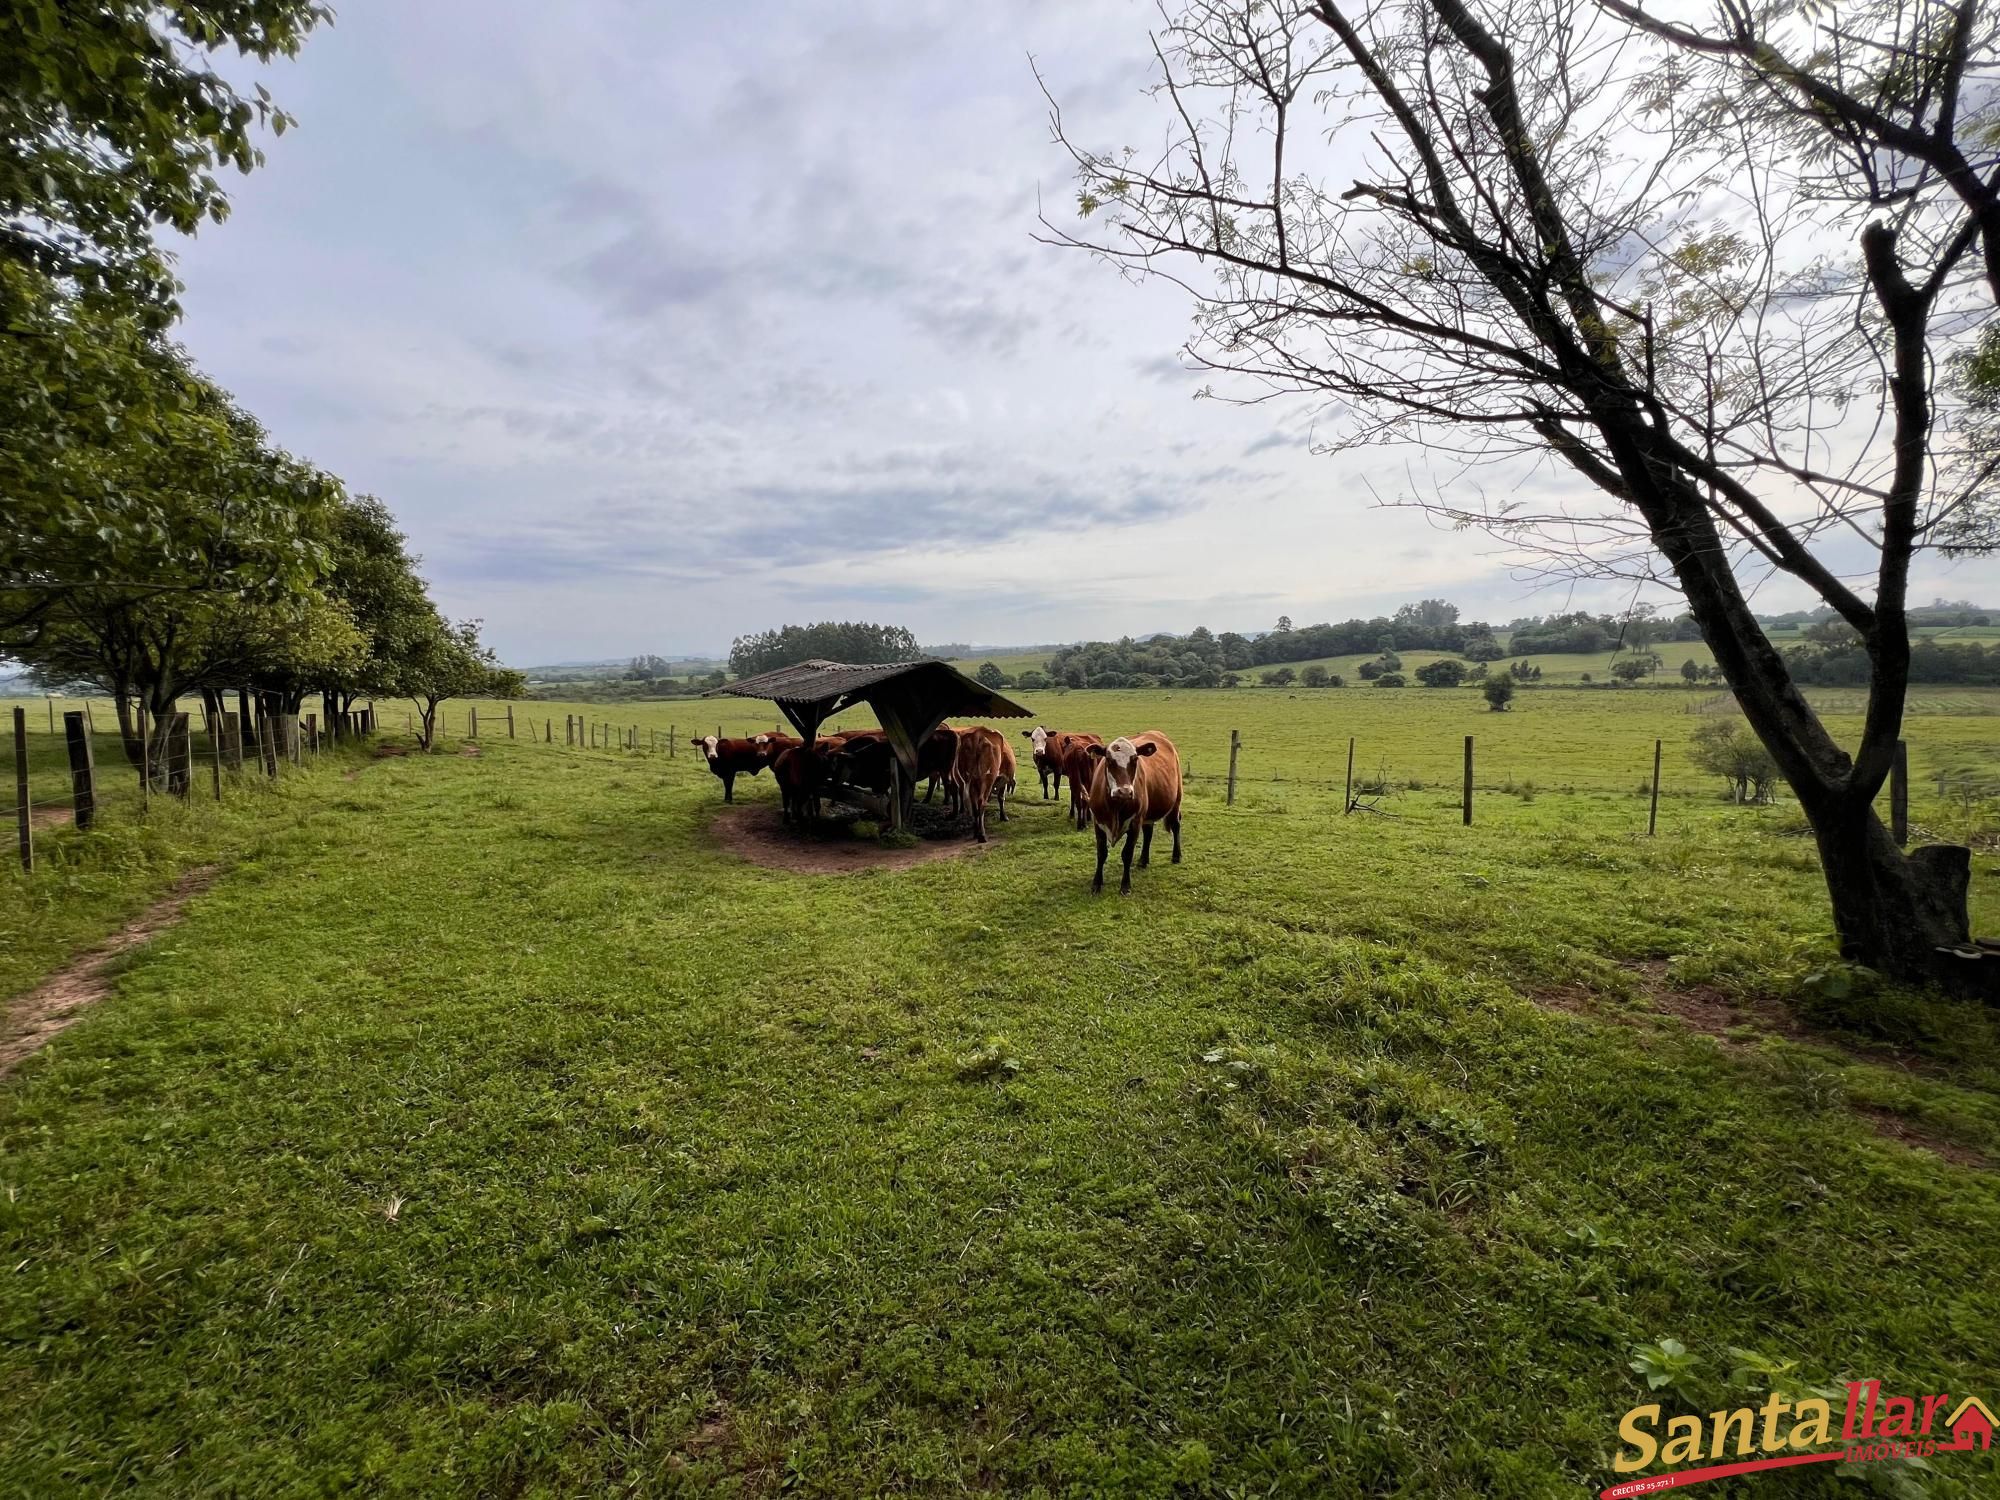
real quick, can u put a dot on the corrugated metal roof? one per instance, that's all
(824, 681)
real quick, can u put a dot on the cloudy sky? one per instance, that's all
(660, 324)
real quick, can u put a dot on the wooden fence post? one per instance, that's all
(145, 758)
(52, 713)
(672, 742)
(180, 754)
(1468, 781)
(89, 717)
(23, 823)
(1347, 798)
(267, 746)
(1235, 742)
(215, 752)
(1653, 811)
(510, 721)
(1899, 794)
(82, 769)
(472, 723)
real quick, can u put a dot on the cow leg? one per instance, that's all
(976, 795)
(1146, 847)
(1103, 848)
(1174, 826)
(1131, 838)
(929, 787)
(728, 786)
(1000, 789)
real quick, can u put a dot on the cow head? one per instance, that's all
(1039, 737)
(707, 745)
(1120, 759)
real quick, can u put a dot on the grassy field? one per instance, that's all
(492, 1127)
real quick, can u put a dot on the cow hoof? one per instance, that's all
(1125, 889)
(1177, 856)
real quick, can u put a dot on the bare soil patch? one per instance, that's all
(1901, 1128)
(754, 832)
(50, 817)
(61, 999)
(1737, 1021)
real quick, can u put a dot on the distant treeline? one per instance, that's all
(1845, 664)
(1939, 612)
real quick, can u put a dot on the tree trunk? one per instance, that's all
(1895, 911)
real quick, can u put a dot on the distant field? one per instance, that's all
(1555, 667)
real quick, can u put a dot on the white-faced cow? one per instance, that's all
(729, 758)
(1135, 783)
(1048, 763)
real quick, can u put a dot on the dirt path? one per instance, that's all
(61, 999)
(752, 831)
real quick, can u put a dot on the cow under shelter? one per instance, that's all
(910, 699)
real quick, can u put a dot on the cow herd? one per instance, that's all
(1123, 789)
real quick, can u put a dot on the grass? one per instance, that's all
(488, 1130)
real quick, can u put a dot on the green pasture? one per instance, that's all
(491, 1127)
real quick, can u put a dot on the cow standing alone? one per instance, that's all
(1136, 783)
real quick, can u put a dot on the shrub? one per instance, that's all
(1315, 677)
(1499, 693)
(1446, 672)
(1391, 679)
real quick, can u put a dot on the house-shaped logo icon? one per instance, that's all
(1971, 1423)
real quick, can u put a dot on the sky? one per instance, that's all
(659, 325)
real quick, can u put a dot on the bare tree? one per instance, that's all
(1545, 231)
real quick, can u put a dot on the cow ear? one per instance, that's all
(1097, 752)
(1146, 749)
(1027, 734)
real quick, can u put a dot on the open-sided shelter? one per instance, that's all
(910, 699)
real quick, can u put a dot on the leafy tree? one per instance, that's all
(1390, 679)
(1427, 614)
(830, 640)
(1689, 671)
(1515, 283)
(1315, 676)
(1278, 677)
(1032, 681)
(111, 124)
(1499, 693)
(1445, 672)
(444, 662)
(1628, 669)
(1484, 648)
(990, 674)
(218, 539)
(1728, 748)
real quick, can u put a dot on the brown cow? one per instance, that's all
(800, 771)
(935, 758)
(1073, 755)
(984, 761)
(1136, 783)
(1047, 765)
(729, 759)
(774, 743)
